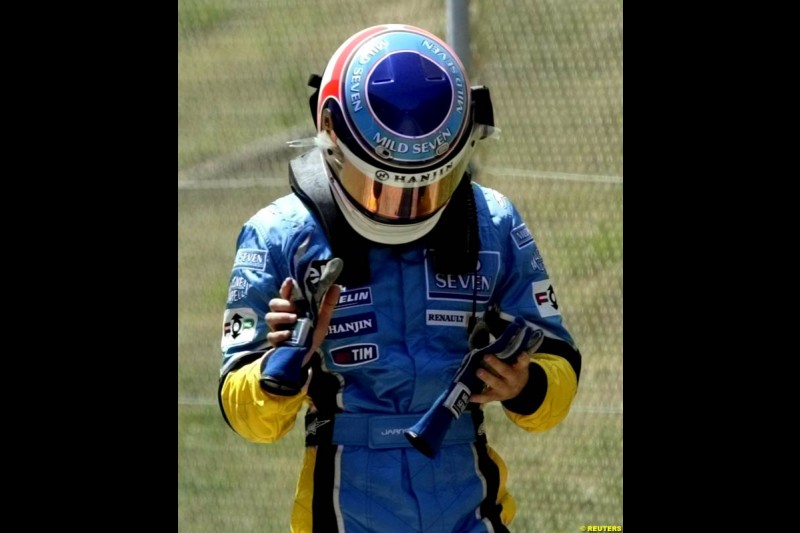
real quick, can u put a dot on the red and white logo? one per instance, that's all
(545, 298)
(355, 354)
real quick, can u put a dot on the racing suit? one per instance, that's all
(392, 347)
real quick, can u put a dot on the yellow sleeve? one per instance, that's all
(504, 498)
(253, 413)
(561, 384)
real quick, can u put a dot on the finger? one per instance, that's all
(489, 395)
(276, 320)
(523, 361)
(286, 288)
(277, 337)
(492, 381)
(281, 305)
(329, 303)
(498, 367)
(521, 373)
(326, 308)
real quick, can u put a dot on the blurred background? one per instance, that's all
(554, 68)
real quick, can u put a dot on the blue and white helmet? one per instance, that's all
(397, 125)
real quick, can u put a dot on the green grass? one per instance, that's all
(555, 71)
(227, 484)
(199, 18)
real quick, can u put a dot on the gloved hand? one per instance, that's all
(282, 370)
(503, 379)
(428, 434)
(516, 339)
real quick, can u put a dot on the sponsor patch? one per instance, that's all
(355, 297)
(458, 399)
(545, 298)
(462, 287)
(350, 326)
(251, 259)
(442, 317)
(355, 354)
(537, 263)
(237, 289)
(522, 236)
(238, 326)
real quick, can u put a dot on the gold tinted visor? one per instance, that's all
(403, 202)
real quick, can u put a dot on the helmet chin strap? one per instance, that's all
(377, 231)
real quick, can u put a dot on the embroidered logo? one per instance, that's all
(314, 426)
(251, 259)
(545, 298)
(355, 354)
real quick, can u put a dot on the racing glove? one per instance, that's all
(427, 434)
(282, 370)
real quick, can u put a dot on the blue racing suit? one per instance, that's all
(393, 345)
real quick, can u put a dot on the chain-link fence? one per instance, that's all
(554, 68)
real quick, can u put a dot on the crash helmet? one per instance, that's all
(396, 126)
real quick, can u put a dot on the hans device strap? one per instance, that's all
(309, 181)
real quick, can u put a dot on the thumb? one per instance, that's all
(326, 308)
(286, 288)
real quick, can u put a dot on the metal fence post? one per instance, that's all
(458, 29)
